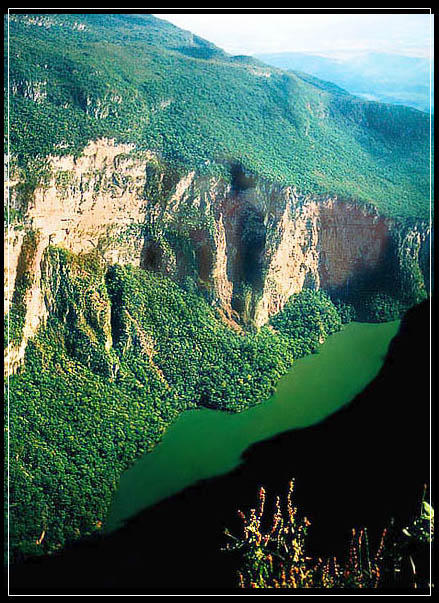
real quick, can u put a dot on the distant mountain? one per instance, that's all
(375, 76)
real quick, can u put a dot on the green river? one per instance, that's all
(204, 443)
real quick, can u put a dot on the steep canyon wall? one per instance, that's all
(246, 243)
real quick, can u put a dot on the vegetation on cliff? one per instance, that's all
(124, 352)
(77, 77)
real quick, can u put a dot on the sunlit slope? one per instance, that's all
(142, 80)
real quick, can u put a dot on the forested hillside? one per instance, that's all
(81, 412)
(74, 78)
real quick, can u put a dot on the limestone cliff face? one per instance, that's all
(246, 243)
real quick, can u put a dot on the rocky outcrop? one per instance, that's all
(246, 243)
(34, 308)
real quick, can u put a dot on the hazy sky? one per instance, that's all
(314, 32)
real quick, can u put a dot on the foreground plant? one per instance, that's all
(275, 556)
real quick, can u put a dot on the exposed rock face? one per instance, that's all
(12, 245)
(246, 243)
(35, 309)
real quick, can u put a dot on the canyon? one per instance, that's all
(184, 230)
(246, 243)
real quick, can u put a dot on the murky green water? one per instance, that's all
(204, 443)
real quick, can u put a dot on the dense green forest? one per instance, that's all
(123, 353)
(74, 78)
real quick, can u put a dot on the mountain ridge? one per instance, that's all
(321, 140)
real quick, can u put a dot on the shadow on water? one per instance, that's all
(361, 466)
